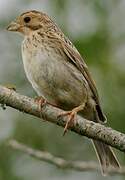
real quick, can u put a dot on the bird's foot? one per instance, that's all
(42, 102)
(71, 117)
(71, 120)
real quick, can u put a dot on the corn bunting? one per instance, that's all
(58, 73)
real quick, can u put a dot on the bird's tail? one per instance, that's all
(106, 156)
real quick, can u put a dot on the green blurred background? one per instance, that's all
(97, 28)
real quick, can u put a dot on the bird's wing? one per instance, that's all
(75, 58)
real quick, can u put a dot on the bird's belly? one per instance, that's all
(58, 82)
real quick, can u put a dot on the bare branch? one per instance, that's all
(50, 113)
(59, 162)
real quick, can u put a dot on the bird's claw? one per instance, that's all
(40, 101)
(71, 119)
(70, 122)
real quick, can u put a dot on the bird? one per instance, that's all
(59, 74)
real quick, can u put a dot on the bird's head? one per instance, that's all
(30, 21)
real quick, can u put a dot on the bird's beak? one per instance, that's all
(13, 26)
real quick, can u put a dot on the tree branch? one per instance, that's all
(49, 113)
(59, 162)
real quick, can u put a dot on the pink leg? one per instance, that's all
(71, 118)
(42, 102)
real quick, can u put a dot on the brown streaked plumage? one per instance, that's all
(57, 72)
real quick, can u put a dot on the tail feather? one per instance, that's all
(106, 157)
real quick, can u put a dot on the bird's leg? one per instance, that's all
(42, 102)
(71, 116)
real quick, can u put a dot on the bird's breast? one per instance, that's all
(38, 67)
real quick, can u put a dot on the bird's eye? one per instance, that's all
(27, 19)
